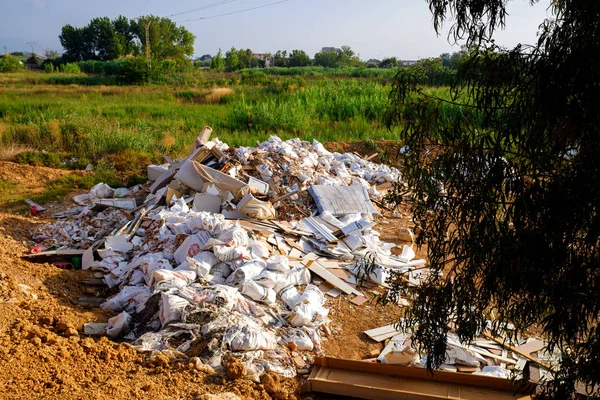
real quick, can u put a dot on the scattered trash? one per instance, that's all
(234, 253)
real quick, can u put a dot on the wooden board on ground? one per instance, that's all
(382, 333)
(531, 347)
(370, 380)
(321, 271)
(56, 253)
(359, 300)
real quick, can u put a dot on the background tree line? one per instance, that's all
(105, 40)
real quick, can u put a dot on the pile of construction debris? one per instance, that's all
(231, 253)
(208, 259)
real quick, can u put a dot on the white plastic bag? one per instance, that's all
(164, 279)
(118, 325)
(248, 338)
(278, 263)
(229, 254)
(299, 276)
(312, 295)
(258, 293)
(125, 299)
(171, 307)
(245, 273)
(289, 295)
(191, 246)
(101, 191)
(269, 279)
(299, 337)
(308, 315)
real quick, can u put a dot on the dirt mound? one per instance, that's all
(30, 177)
(44, 354)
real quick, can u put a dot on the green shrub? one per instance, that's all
(49, 67)
(70, 68)
(9, 63)
(39, 158)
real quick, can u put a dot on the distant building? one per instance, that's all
(330, 50)
(408, 63)
(266, 57)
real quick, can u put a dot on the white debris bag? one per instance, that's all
(249, 338)
(171, 307)
(258, 293)
(245, 273)
(151, 263)
(299, 337)
(288, 294)
(312, 295)
(308, 314)
(229, 254)
(219, 273)
(298, 276)
(118, 325)
(258, 249)
(191, 246)
(125, 299)
(269, 279)
(164, 279)
(101, 191)
(278, 263)
(199, 265)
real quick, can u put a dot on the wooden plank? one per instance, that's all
(284, 249)
(516, 351)
(382, 381)
(382, 333)
(531, 347)
(359, 300)
(318, 269)
(57, 253)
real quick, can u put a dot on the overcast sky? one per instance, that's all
(373, 28)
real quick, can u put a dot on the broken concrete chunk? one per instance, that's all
(155, 171)
(118, 243)
(207, 202)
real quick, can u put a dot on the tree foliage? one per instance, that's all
(506, 193)
(103, 39)
(218, 62)
(238, 59)
(343, 57)
(326, 59)
(299, 58)
(391, 62)
(9, 63)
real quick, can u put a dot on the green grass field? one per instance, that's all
(91, 118)
(46, 112)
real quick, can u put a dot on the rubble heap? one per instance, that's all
(231, 253)
(206, 267)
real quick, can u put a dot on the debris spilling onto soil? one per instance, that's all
(228, 254)
(229, 257)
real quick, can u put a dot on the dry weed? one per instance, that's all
(216, 94)
(9, 152)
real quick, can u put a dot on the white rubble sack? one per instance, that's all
(118, 325)
(171, 307)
